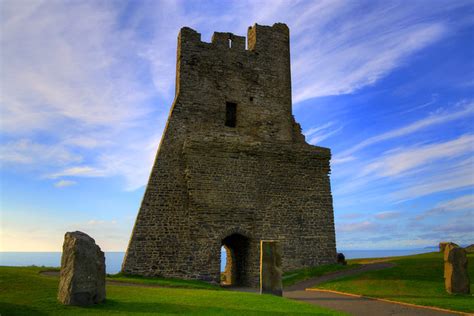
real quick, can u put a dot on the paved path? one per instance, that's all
(360, 305)
(354, 305)
(339, 274)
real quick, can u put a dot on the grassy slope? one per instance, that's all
(292, 277)
(23, 291)
(415, 279)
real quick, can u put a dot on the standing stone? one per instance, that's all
(270, 268)
(455, 270)
(82, 277)
(443, 244)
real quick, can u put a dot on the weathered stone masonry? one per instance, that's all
(214, 185)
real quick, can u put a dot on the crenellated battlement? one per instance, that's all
(255, 78)
(228, 40)
(259, 38)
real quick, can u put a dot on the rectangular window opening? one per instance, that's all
(230, 114)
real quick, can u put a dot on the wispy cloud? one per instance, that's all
(457, 229)
(398, 161)
(317, 129)
(103, 79)
(447, 177)
(347, 66)
(462, 203)
(59, 71)
(81, 171)
(341, 160)
(132, 161)
(64, 183)
(440, 117)
(317, 134)
(73, 92)
(27, 152)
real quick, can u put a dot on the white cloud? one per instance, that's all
(336, 49)
(448, 177)
(316, 129)
(27, 152)
(315, 139)
(61, 69)
(89, 80)
(344, 65)
(64, 183)
(317, 134)
(341, 160)
(80, 171)
(462, 203)
(72, 75)
(398, 161)
(440, 117)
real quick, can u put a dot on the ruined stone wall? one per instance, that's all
(259, 179)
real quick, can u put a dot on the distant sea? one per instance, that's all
(113, 260)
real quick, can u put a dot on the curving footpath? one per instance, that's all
(355, 304)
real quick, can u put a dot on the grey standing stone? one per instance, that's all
(270, 268)
(456, 278)
(82, 277)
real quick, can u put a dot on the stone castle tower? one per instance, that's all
(233, 167)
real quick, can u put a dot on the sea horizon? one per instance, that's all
(113, 259)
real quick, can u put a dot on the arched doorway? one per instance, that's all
(236, 248)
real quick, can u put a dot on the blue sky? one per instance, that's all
(86, 88)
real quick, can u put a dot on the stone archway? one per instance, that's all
(237, 252)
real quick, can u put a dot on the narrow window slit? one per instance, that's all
(230, 114)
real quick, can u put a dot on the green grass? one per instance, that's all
(414, 279)
(164, 282)
(292, 277)
(178, 283)
(23, 291)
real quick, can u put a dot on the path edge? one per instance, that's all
(390, 301)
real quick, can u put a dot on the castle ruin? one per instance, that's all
(233, 167)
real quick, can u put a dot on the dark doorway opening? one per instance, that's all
(236, 253)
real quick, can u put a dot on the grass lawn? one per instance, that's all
(292, 277)
(170, 282)
(416, 279)
(23, 291)
(178, 283)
